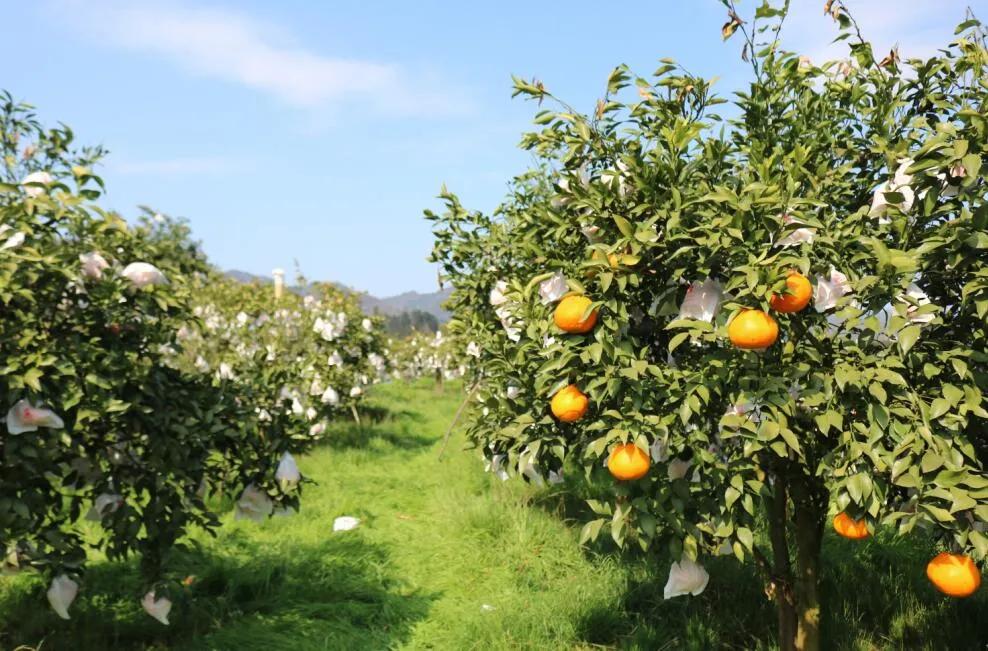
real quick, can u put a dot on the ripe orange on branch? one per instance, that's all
(955, 575)
(569, 315)
(569, 404)
(848, 527)
(628, 462)
(753, 330)
(800, 291)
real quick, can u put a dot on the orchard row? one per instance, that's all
(144, 389)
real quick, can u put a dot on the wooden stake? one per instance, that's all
(456, 419)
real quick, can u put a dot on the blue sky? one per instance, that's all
(319, 131)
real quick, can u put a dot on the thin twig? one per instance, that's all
(861, 39)
(749, 39)
(778, 27)
(456, 418)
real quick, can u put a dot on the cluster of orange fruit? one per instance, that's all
(569, 404)
(955, 575)
(750, 330)
(756, 330)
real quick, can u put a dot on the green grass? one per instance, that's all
(439, 541)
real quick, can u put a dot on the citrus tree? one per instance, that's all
(426, 355)
(755, 324)
(170, 238)
(305, 360)
(105, 442)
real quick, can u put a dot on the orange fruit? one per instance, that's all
(628, 462)
(848, 527)
(753, 330)
(611, 259)
(955, 575)
(569, 314)
(798, 297)
(569, 404)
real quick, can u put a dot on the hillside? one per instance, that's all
(430, 303)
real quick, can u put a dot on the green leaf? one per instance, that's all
(678, 339)
(746, 538)
(790, 438)
(931, 461)
(32, 378)
(907, 338)
(859, 487)
(583, 130)
(961, 501)
(731, 495)
(966, 25)
(768, 430)
(943, 515)
(624, 226)
(972, 165)
(938, 408)
(591, 530)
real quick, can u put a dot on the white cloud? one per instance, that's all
(920, 28)
(233, 47)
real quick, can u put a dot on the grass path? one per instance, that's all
(446, 557)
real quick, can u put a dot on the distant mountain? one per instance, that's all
(244, 277)
(408, 302)
(430, 303)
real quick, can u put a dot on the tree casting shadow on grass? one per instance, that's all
(875, 592)
(396, 428)
(337, 594)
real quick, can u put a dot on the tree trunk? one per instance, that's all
(810, 510)
(796, 588)
(781, 579)
(807, 591)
